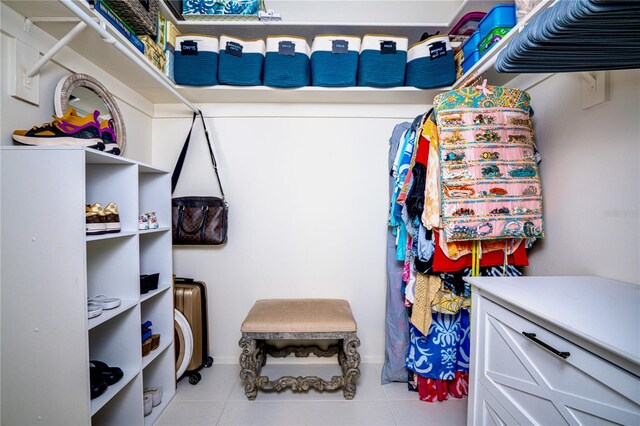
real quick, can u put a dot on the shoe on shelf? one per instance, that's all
(97, 384)
(148, 404)
(70, 129)
(93, 310)
(143, 222)
(110, 375)
(112, 217)
(95, 219)
(153, 220)
(156, 394)
(108, 135)
(104, 302)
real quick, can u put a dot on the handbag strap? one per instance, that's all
(178, 168)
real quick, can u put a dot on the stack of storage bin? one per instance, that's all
(493, 27)
(470, 51)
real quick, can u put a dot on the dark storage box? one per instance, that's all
(148, 282)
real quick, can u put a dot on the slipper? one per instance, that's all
(104, 302)
(93, 310)
(110, 375)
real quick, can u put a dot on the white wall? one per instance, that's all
(17, 114)
(590, 179)
(308, 210)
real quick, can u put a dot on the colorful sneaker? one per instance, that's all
(108, 135)
(95, 219)
(70, 129)
(112, 217)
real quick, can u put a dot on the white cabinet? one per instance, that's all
(530, 366)
(49, 269)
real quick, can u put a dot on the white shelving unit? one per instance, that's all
(50, 268)
(408, 18)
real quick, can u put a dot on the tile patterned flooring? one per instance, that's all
(219, 400)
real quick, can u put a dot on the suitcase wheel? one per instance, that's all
(209, 362)
(194, 378)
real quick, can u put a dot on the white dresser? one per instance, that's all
(554, 350)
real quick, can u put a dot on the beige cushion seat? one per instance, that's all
(299, 316)
(311, 320)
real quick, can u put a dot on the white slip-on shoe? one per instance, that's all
(156, 393)
(93, 310)
(104, 302)
(148, 404)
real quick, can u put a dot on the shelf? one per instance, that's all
(120, 234)
(264, 94)
(153, 293)
(407, 18)
(485, 65)
(99, 402)
(164, 344)
(106, 315)
(154, 231)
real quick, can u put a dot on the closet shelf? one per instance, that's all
(136, 73)
(309, 94)
(112, 390)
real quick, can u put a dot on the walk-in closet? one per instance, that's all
(320, 183)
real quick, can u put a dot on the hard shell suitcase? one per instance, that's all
(190, 298)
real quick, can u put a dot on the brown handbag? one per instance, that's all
(198, 220)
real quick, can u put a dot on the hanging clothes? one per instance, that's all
(396, 318)
(444, 350)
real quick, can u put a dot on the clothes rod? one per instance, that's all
(76, 10)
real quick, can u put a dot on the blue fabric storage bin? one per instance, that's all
(287, 62)
(430, 63)
(334, 60)
(383, 60)
(240, 61)
(195, 62)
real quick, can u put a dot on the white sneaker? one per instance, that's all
(156, 394)
(148, 404)
(93, 310)
(104, 302)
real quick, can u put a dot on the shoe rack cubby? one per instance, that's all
(50, 268)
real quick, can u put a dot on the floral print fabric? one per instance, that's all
(444, 350)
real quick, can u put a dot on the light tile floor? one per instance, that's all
(219, 400)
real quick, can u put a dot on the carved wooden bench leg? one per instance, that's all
(349, 359)
(251, 362)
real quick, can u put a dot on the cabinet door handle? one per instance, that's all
(532, 336)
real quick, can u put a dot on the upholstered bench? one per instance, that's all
(299, 319)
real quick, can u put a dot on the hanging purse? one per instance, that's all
(198, 220)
